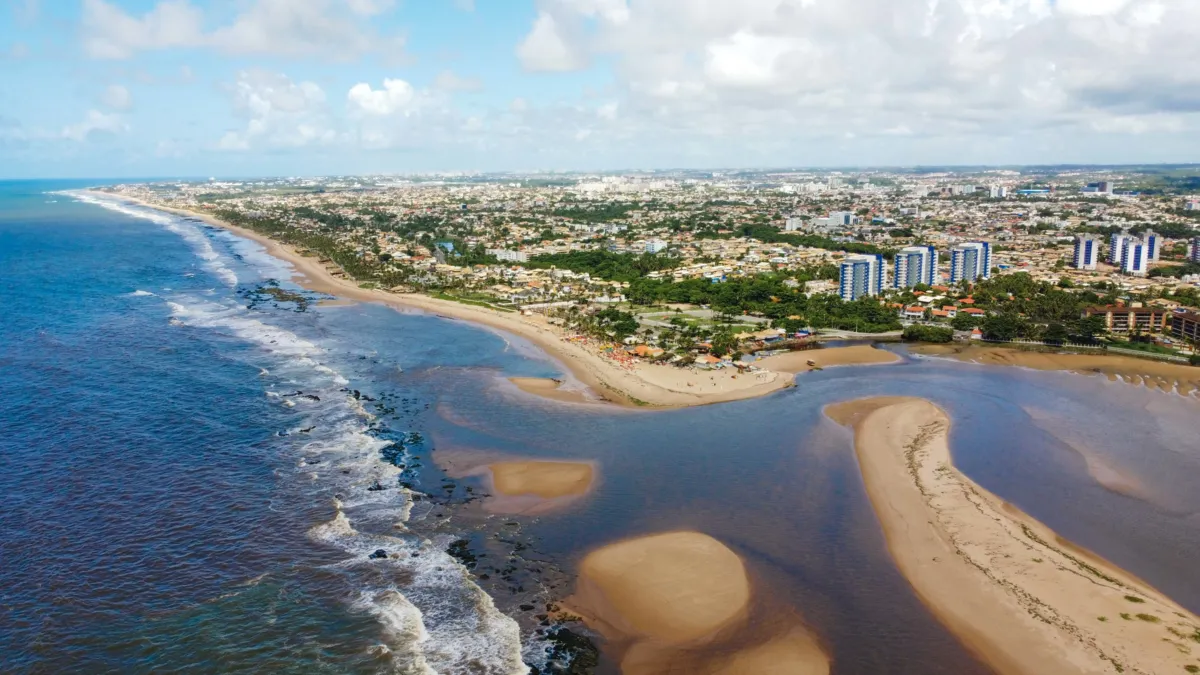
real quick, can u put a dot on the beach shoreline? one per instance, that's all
(1169, 377)
(641, 386)
(1014, 592)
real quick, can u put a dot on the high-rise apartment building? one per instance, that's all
(1116, 248)
(1154, 242)
(861, 276)
(1136, 259)
(969, 262)
(915, 265)
(1087, 252)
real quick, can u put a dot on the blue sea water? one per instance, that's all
(198, 472)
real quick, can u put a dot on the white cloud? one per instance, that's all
(794, 71)
(95, 122)
(547, 48)
(110, 33)
(280, 113)
(335, 29)
(18, 51)
(117, 97)
(465, 5)
(396, 96)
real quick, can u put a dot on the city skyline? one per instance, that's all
(337, 87)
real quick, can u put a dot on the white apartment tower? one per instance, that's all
(1136, 258)
(1116, 248)
(861, 276)
(915, 265)
(1087, 253)
(969, 262)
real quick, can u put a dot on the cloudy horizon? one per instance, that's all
(332, 87)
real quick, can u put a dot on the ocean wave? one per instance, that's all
(139, 294)
(190, 233)
(435, 618)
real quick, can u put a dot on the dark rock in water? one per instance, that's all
(526, 608)
(379, 554)
(305, 431)
(310, 397)
(375, 487)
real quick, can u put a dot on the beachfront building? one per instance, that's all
(1135, 261)
(915, 265)
(861, 276)
(969, 262)
(1122, 319)
(1087, 252)
(1186, 326)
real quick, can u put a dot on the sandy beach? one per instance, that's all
(676, 603)
(797, 362)
(1025, 600)
(638, 385)
(1177, 377)
(548, 387)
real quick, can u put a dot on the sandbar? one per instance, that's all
(857, 355)
(521, 485)
(548, 387)
(1022, 598)
(1163, 375)
(677, 603)
(642, 385)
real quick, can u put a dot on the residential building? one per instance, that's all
(1116, 248)
(1185, 325)
(969, 262)
(504, 255)
(861, 276)
(1154, 243)
(655, 245)
(1194, 253)
(1122, 319)
(998, 192)
(915, 265)
(1136, 259)
(1087, 252)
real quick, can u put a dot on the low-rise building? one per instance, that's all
(1122, 319)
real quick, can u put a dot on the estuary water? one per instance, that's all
(208, 469)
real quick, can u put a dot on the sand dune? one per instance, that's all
(797, 362)
(678, 603)
(1021, 597)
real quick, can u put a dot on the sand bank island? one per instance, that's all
(1177, 377)
(1021, 597)
(678, 603)
(529, 486)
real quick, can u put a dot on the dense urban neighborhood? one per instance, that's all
(681, 265)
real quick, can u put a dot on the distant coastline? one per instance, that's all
(1024, 599)
(645, 386)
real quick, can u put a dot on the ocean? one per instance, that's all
(210, 469)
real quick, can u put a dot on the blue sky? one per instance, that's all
(99, 88)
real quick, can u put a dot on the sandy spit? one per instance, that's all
(547, 387)
(639, 386)
(678, 602)
(1162, 375)
(1025, 600)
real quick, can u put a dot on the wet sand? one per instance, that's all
(1025, 600)
(1163, 375)
(640, 386)
(797, 362)
(675, 603)
(550, 388)
(518, 485)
